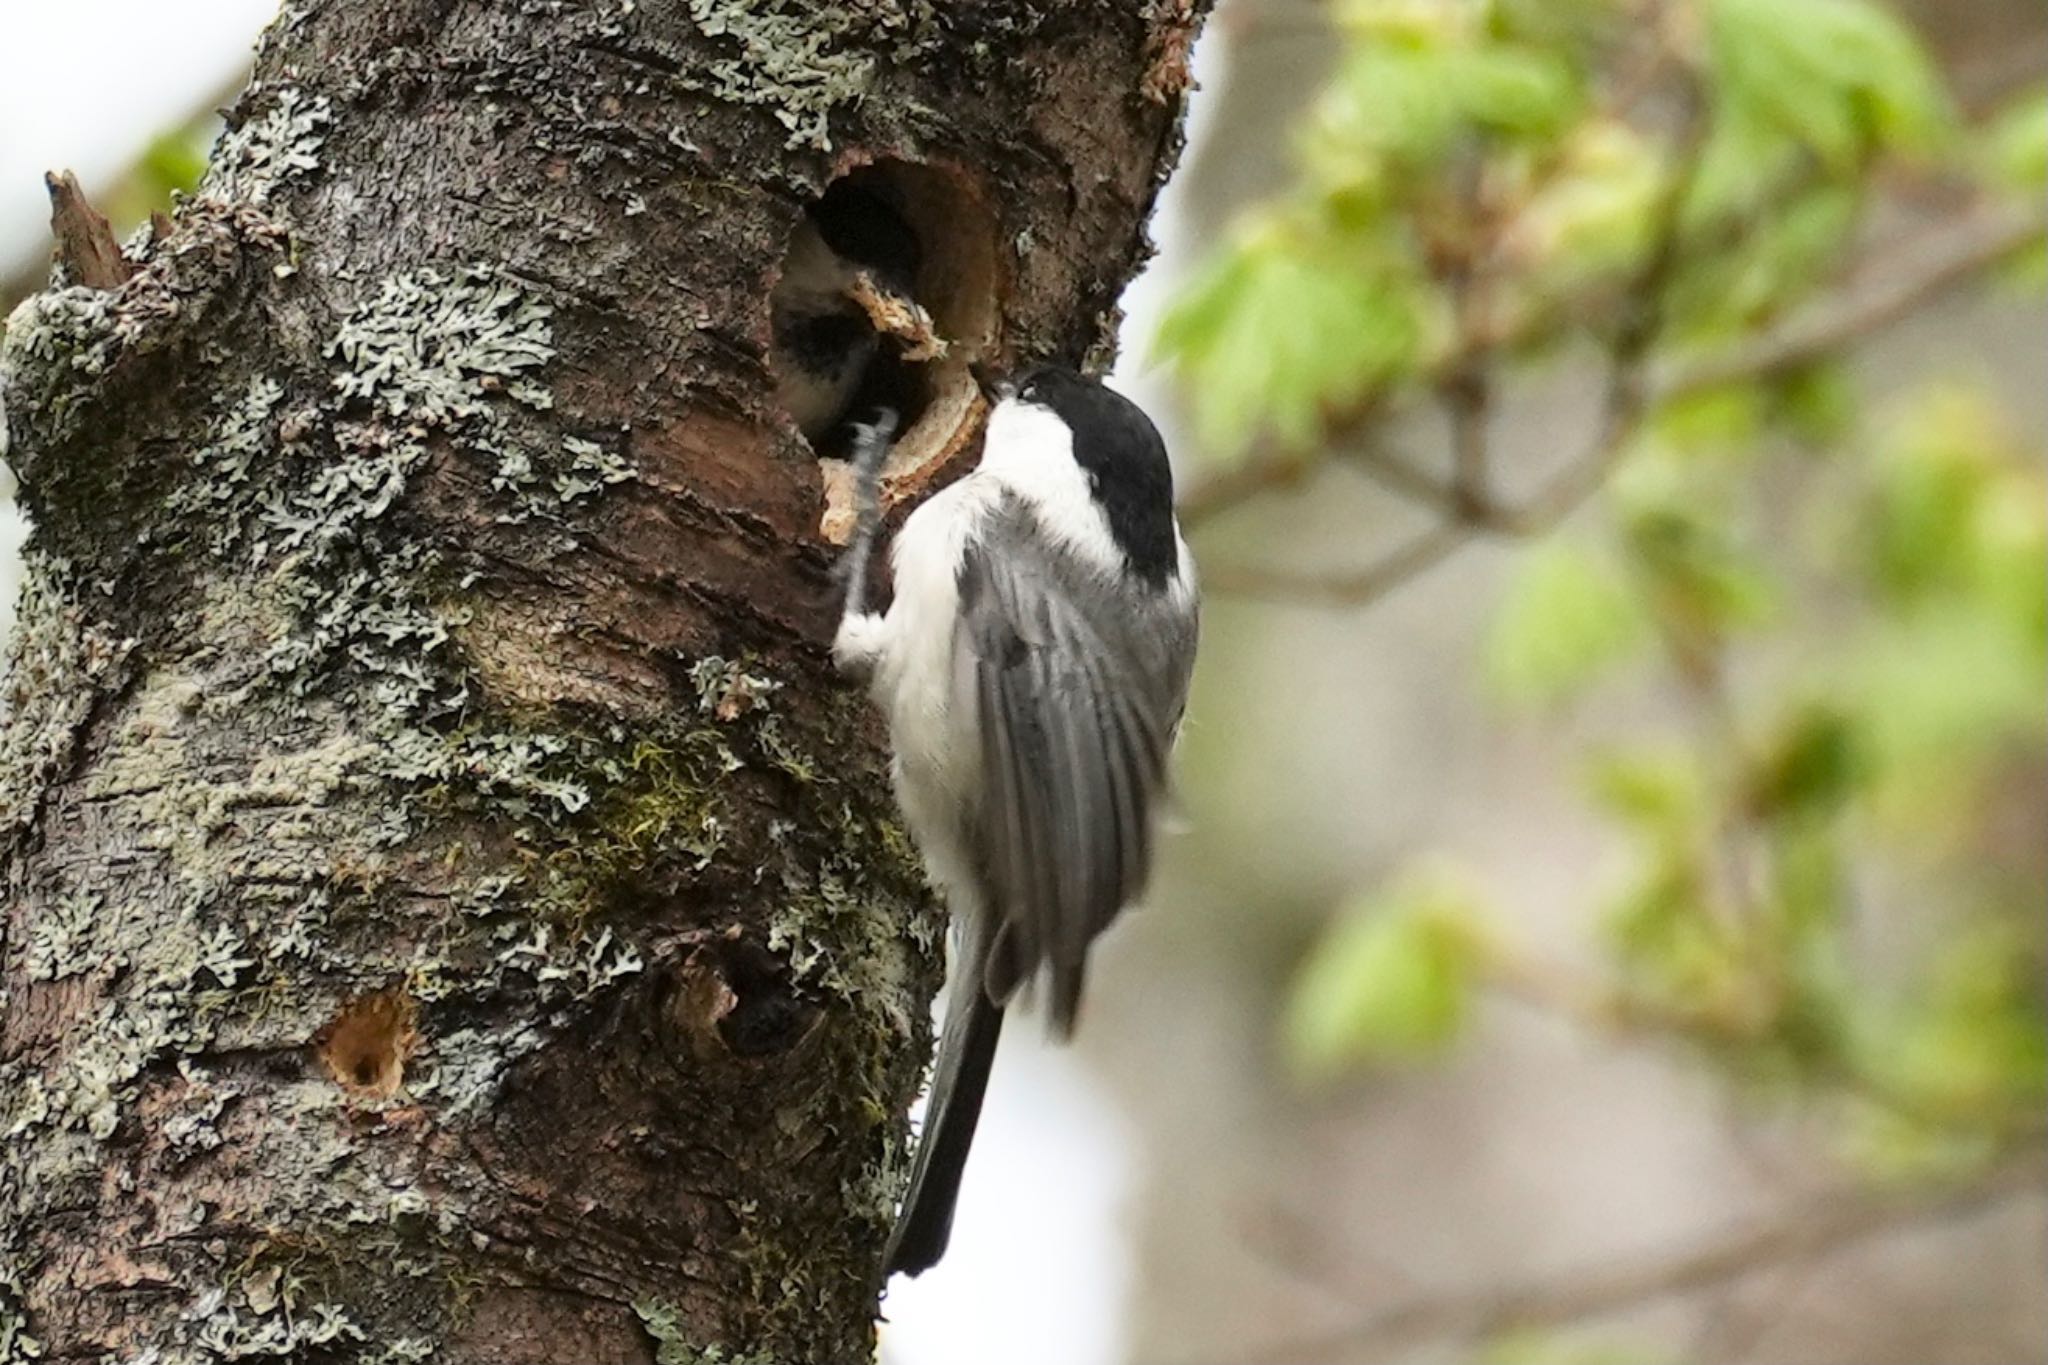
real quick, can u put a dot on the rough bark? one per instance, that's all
(452, 911)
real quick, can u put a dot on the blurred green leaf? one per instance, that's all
(1284, 325)
(1569, 616)
(1769, 266)
(1959, 506)
(2013, 152)
(1582, 30)
(1662, 928)
(1945, 687)
(1965, 1059)
(1841, 78)
(1808, 898)
(1953, 540)
(1702, 583)
(1719, 418)
(1663, 924)
(173, 162)
(1414, 81)
(2012, 156)
(1811, 766)
(1817, 404)
(169, 166)
(1592, 216)
(1659, 789)
(1390, 979)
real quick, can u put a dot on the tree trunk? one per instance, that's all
(452, 910)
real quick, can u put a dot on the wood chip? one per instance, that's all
(896, 316)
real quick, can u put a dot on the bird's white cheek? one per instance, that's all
(1030, 451)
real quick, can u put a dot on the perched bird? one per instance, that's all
(825, 343)
(1033, 667)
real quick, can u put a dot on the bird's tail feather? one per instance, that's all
(967, 1051)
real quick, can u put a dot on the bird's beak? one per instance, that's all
(992, 389)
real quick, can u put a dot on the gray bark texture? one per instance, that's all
(452, 911)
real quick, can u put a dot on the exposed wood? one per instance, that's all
(86, 249)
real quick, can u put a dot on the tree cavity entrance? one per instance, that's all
(887, 296)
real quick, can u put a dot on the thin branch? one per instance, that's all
(1466, 388)
(1824, 1227)
(1743, 1020)
(1262, 472)
(1392, 472)
(1628, 397)
(1902, 285)
(1352, 589)
(1466, 394)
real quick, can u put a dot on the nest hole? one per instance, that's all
(919, 234)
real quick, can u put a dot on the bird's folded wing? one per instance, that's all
(1074, 732)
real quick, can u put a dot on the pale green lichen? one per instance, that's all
(588, 468)
(268, 1325)
(662, 1322)
(226, 466)
(878, 1189)
(860, 923)
(58, 944)
(795, 59)
(17, 1345)
(53, 347)
(59, 658)
(847, 943)
(461, 1070)
(71, 328)
(125, 1035)
(191, 1130)
(600, 963)
(429, 344)
(729, 689)
(280, 145)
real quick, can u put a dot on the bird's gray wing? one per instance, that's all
(1075, 691)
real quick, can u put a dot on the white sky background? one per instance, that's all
(1039, 1267)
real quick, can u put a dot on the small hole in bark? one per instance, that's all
(366, 1045)
(896, 264)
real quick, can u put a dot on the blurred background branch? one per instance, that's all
(1823, 1226)
(1883, 292)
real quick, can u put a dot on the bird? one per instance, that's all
(824, 342)
(1033, 667)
